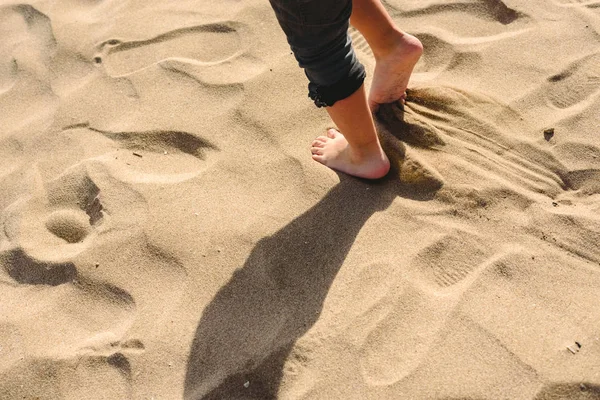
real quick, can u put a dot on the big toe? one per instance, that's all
(319, 158)
(332, 133)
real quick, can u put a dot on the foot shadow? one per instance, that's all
(393, 119)
(250, 327)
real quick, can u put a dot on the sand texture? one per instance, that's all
(165, 234)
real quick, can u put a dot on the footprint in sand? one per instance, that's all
(44, 233)
(402, 333)
(579, 82)
(411, 318)
(395, 347)
(495, 10)
(56, 223)
(448, 51)
(208, 53)
(439, 57)
(210, 63)
(205, 43)
(157, 156)
(390, 349)
(58, 238)
(563, 95)
(449, 259)
(71, 225)
(63, 281)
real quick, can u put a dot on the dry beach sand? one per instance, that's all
(166, 235)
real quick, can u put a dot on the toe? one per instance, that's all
(318, 143)
(322, 139)
(332, 133)
(318, 158)
(317, 151)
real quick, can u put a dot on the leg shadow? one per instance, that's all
(248, 330)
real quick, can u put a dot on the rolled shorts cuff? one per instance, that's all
(326, 96)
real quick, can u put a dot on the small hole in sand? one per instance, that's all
(98, 60)
(70, 225)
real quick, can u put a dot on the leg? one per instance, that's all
(396, 52)
(317, 31)
(358, 151)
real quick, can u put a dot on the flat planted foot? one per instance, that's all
(333, 151)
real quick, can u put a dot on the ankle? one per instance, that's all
(366, 150)
(395, 41)
(387, 43)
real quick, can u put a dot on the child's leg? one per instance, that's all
(396, 52)
(358, 151)
(317, 33)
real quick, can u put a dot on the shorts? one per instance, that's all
(317, 31)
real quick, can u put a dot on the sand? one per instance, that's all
(166, 235)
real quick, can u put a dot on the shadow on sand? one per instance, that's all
(248, 330)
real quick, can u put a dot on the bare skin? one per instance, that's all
(396, 52)
(371, 164)
(333, 150)
(393, 71)
(358, 151)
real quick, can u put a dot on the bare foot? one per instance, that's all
(393, 69)
(334, 152)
